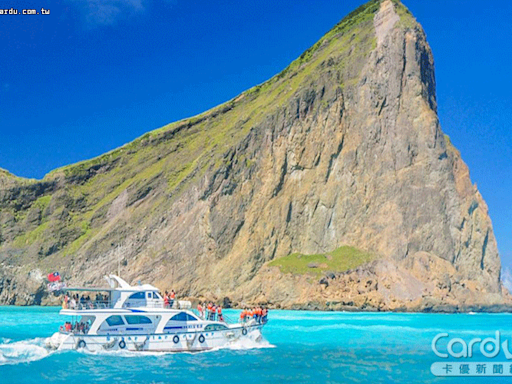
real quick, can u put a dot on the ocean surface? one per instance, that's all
(299, 347)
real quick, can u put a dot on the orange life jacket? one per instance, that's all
(219, 310)
(173, 295)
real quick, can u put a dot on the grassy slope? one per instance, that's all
(340, 260)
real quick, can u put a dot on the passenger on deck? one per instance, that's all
(264, 314)
(209, 311)
(219, 313)
(172, 297)
(166, 299)
(200, 310)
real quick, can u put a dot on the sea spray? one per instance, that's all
(22, 351)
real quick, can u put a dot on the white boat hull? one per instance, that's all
(168, 342)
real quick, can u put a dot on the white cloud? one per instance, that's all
(506, 278)
(108, 12)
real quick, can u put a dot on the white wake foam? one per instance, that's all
(22, 351)
(246, 343)
(240, 344)
(25, 351)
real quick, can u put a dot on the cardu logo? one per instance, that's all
(457, 348)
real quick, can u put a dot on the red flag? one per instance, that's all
(53, 277)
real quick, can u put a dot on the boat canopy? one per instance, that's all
(85, 289)
(116, 284)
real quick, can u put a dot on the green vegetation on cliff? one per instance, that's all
(340, 260)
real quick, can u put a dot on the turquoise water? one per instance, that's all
(300, 347)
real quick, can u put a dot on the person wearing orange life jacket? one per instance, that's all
(242, 316)
(214, 312)
(172, 297)
(219, 314)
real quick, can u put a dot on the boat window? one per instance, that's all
(215, 327)
(132, 319)
(137, 296)
(149, 295)
(183, 316)
(115, 320)
(155, 295)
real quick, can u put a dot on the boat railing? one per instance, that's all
(227, 319)
(213, 317)
(88, 305)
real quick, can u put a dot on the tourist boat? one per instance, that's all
(134, 318)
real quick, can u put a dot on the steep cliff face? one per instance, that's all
(342, 148)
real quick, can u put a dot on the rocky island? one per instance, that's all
(330, 186)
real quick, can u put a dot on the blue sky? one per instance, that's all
(95, 74)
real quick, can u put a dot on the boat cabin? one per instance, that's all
(119, 295)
